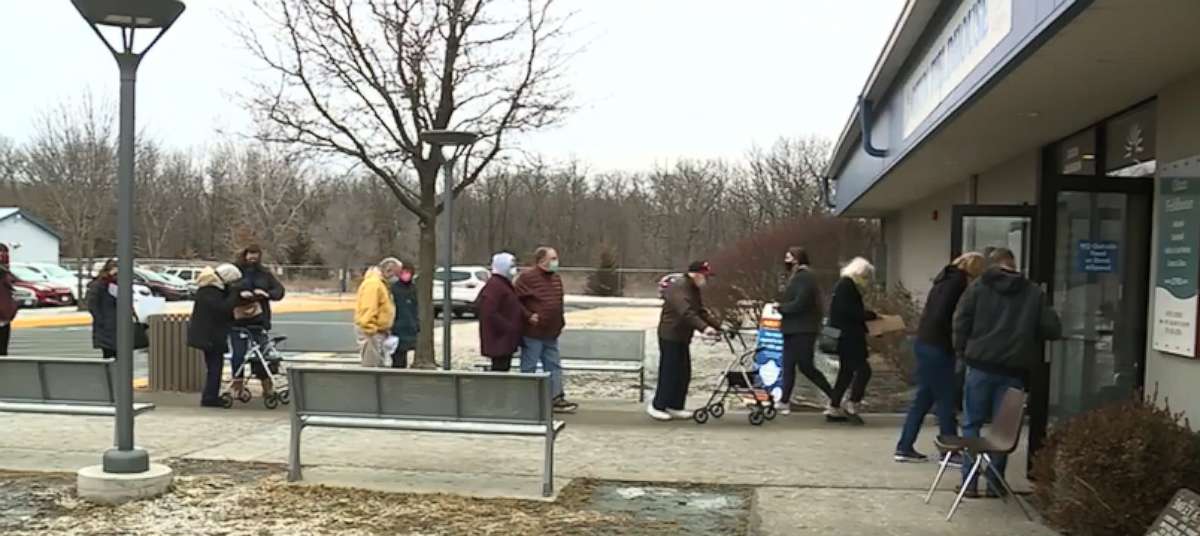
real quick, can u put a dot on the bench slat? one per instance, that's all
(429, 426)
(582, 366)
(68, 409)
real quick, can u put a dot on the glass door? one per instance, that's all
(1099, 289)
(980, 227)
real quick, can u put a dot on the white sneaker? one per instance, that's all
(837, 413)
(679, 413)
(850, 407)
(784, 409)
(657, 415)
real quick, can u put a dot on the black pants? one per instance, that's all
(853, 371)
(214, 361)
(674, 375)
(501, 364)
(5, 333)
(400, 356)
(108, 354)
(798, 351)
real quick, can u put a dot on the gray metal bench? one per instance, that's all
(621, 351)
(60, 385)
(422, 401)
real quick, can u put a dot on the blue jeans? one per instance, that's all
(544, 351)
(982, 393)
(935, 390)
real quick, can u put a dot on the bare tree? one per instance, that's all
(784, 182)
(169, 185)
(69, 174)
(683, 200)
(363, 79)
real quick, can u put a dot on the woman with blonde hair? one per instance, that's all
(936, 383)
(849, 315)
(212, 318)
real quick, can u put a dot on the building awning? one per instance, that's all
(1073, 66)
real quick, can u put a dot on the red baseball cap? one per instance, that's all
(700, 267)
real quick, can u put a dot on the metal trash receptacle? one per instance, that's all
(173, 365)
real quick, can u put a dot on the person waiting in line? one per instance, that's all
(541, 292)
(8, 302)
(848, 314)
(501, 316)
(208, 328)
(800, 307)
(374, 313)
(252, 317)
(683, 314)
(999, 327)
(406, 325)
(102, 304)
(934, 348)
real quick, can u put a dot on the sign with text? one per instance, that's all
(1096, 257)
(1181, 517)
(1178, 250)
(770, 351)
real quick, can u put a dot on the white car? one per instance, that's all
(186, 274)
(465, 284)
(57, 275)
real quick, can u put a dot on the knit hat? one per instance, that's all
(228, 273)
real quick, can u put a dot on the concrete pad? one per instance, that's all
(484, 486)
(801, 511)
(50, 461)
(96, 486)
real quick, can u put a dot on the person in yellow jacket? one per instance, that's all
(374, 313)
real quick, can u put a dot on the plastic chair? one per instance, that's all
(1003, 437)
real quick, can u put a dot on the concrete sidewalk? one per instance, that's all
(809, 477)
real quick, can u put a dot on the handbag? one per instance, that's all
(141, 336)
(248, 311)
(827, 339)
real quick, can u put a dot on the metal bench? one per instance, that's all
(422, 401)
(60, 385)
(621, 351)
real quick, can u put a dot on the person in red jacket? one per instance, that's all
(501, 316)
(541, 292)
(8, 304)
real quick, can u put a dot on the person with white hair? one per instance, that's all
(212, 318)
(374, 314)
(848, 314)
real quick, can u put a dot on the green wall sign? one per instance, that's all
(1178, 250)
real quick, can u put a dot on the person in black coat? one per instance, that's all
(407, 323)
(800, 307)
(208, 328)
(934, 348)
(102, 304)
(848, 314)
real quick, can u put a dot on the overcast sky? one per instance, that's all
(657, 80)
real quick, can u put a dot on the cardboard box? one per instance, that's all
(885, 324)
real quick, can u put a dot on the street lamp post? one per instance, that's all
(128, 16)
(453, 139)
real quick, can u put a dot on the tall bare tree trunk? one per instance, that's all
(426, 265)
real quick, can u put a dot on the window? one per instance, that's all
(1130, 143)
(1077, 154)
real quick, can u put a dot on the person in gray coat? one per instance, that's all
(800, 307)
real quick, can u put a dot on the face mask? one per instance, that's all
(512, 272)
(552, 267)
(406, 277)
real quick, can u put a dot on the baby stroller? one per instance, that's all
(260, 352)
(739, 379)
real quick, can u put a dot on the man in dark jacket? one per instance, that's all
(8, 304)
(999, 328)
(406, 325)
(501, 316)
(261, 283)
(683, 314)
(800, 307)
(540, 290)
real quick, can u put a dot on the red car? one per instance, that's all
(45, 292)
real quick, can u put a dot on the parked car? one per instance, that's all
(56, 274)
(465, 284)
(191, 286)
(24, 297)
(665, 283)
(159, 286)
(187, 274)
(45, 292)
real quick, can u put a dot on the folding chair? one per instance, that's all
(1002, 438)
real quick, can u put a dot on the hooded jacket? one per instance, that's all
(1001, 323)
(102, 304)
(255, 277)
(406, 325)
(374, 311)
(501, 316)
(936, 328)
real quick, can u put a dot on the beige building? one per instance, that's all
(1068, 131)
